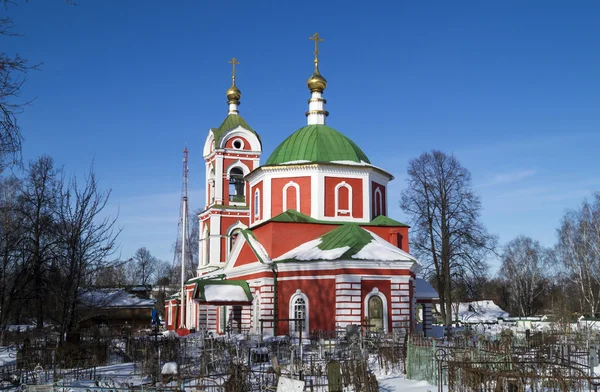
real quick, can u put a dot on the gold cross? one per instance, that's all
(317, 39)
(233, 63)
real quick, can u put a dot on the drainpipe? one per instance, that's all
(275, 298)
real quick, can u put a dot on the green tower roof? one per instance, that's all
(231, 122)
(317, 143)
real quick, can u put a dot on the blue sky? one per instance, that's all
(511, 88)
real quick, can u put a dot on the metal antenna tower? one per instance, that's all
(183, 255)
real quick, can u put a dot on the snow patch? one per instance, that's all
(224, 292)
(114, 298)
(310, 251)
(169, 368)
(258, 246)
(381, 250)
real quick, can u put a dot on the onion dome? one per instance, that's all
(316, 82)
(317, 143)
(233, 94)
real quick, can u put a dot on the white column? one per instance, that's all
(316, 109)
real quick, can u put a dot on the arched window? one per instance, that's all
(291, 196)
(211, 187)
(257, 204)
(376, 310)
(237, 186)
(343, 199)
(299, 310)
(232, 237)
(378, 202)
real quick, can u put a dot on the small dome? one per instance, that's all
(316, 82)
(317, 143)
(233, 93)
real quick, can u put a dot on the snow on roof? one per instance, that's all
(485, 311)
(230, 293)
(346, 242)
(258, 248)
(380, 249)
(423, 290)
(310, 251)
(113, 298)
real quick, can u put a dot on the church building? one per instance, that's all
(301, 242)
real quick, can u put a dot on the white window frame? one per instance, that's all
(299, 294)
(338, 212)
(284, 196)
(376, 292)
(378, 202)
(256, 204)
(229, 246)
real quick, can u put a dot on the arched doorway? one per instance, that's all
(376, 313)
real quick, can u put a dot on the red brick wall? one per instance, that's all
(277, 185)
(357, 195)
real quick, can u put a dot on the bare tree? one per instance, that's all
(579, 251)
(14, 273)
(87, 240)
(525, 266)
(37, 206)
(447, 233)
(145, 266)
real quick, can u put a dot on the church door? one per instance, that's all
(376, 313)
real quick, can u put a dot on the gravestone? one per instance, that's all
(289, 385)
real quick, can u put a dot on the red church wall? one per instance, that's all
(278, 238)
(229, 143)
(254, 216)
(384, 287)
(320, 296)
(277, 185)
(246, 256)
(374, 199)
(357, 195)
(397, 236)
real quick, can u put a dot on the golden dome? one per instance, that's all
(233, 94)
(316, 82)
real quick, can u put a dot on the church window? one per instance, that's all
(343, 199)
(291, 196)
(299, 311)
(257, 204)
(232, 237)
(238, 144)
(237, 185)
(378, 203)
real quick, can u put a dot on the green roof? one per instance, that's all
(231, 122)
(383, 220)
(291, 216)
(346, 242)
(317, 143)
(349, 234)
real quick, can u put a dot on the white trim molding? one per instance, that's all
(229, 246)
(378, 202)
(376, 293)
(256, 204)
(338, 211)
(284, 195)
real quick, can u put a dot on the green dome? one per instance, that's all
(317, 143)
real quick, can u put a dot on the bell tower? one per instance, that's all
(231, 151)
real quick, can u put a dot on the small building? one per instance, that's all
(115, 307)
